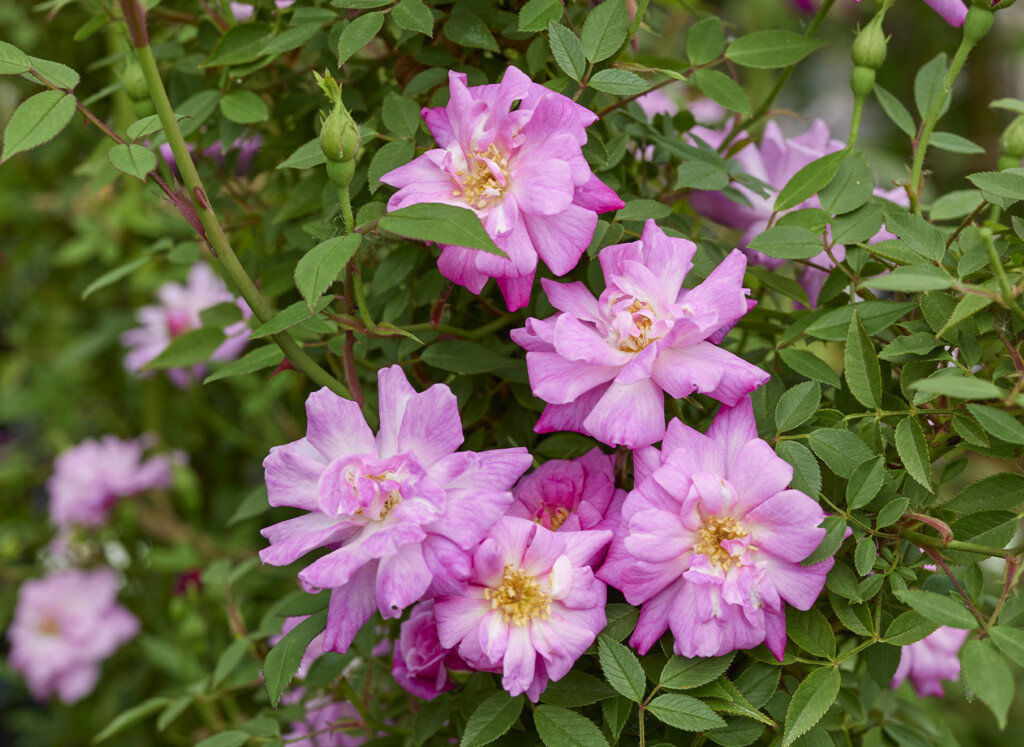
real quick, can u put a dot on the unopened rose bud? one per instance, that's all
(870, 45)
(339, 136)
(1011, 144)
(979, 21)
(134, 80)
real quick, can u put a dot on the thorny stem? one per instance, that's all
(964, 223)
(924, 541)
(215, 235)
(937, 557)
(858, 108)
(634, 26)
(1013, 568)
(997, 267)
(469, 334)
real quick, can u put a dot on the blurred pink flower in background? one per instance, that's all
(244, 11)
(931, 660)
(64, 626)
(88, 479)
(247, 148)
(953, 11)
(178, 312)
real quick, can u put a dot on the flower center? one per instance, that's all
(519, 597)
(484, 179)
(394, 497)
(177, 324)
(716, 530)
(49, 625)
(556, 517)
(643, 319)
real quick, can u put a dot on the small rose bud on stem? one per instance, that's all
(339, 134)
(1011, 144)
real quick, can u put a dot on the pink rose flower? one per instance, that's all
(88, 479)
(64, 626)
(244, 11)
(522, 172)
(711, 540)
(420, 663)
(178, 312)
(247, 148)
(532, 607)
(399, 512)
(604, 365)
(931, 660)
(954, 12)
(325, 725)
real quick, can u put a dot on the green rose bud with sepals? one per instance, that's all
(994, 4)
(1011, 144)
(869, 48)
(339, 134)
(978, 22)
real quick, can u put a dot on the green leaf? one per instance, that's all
(621, 668)
(429, 718)
(865, 482)
(681, 673)
(567, 51)
(57, 73)
(290, 39)
(560, 727)
(788, 242)
(851, 187)
(133, 160)
(811, 631)
(297, 313)
(785, 285)
(999, 423)
(812, 698)
(244, 107)
(961, 387)
(840, 450)
(616, 713)
(413, 15)
(112, 276)
(401, 114)
(535, 15)
(698, 174)
(771, 49)
(229, 660)
(220, 315)
(1008, 184)
(443, 224)
(861, 368)
(284, 658)
(988, 675)
(723, 90)
(618, 82)
(360, 4)
(321, 265)
(37, 120)
(233, 738)
(358, 34)
(1002, 491)
(604, 31)
(797, 406)
(834, 324)
(642, 210)
(171, 713)
(913, 450)
(835, 531)
(387, 159)
(575, 690)
(864, 556)
(306, 156)
(956, 204)
(859, 225)
(898, 113)
(910, 627)
(241, 44)
(954, 143)
(189, 349)
(130, 717)
(938, 608)
(256, 360)
(912, 279)
(12, 60)
(468, 30)
(918, 234)
(196, 109)
(928, 85)
(705, 41)
(491, 719)
(969, 430)
(806, 472)
(464, 357)
(891, 512)
(1010, 641)
(808, 364)
(685, 713)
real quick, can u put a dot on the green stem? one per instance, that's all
(997, 267)
(346, 209)
(357, 290)
(858, 108)
(215, 235)
(352, 697)
(634, 26)
(924, 540)
(469, 334)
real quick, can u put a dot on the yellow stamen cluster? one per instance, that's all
(558, 516)
(519, 597)
(393, 499)
(49, 626)
(636, 343)
(715, 531)
(479, 186)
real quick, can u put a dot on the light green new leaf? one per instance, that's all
(256, 360)
(771, 49)
(321, 265)
(244, 107)
(12, 60)
(861, 368)
(912, 279)
(812, 698)
(618, 82)
(898, 113)
(112, 276)
(788, 242)
(37, 120)
(939, 608)
(130, 717)
(913, 450)
(705, 41)
(133, 160)
(723, 90)
(1010, 641)
(295, 314)
(191, 348)
(961, 387)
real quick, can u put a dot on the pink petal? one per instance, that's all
(431, 428)
(559, 381)
(629, 414)
(561, 239)
(335, 427)
(351, 607)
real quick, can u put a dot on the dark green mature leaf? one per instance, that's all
(131, 716)
(297, 313)
(808, 364)
(241, 44)
(681, 673)
(321, 265)
(834, 324)
(605, 30)
(442, 224)
(229, 660)
(770, 49)
(961, 387)
(576, 689)
(705, 41)
(851, 187)
(723, 90)
(910, 627)
(191, 348)
(685, 713)
(913, 450)
(618, 82)
(430, 718)
(969, 430)
(358, 34)
(642, 210)
(389, 158)
(491, 719)
(928, 85)
(414, 15)
(1003, 491)
(840, 450)
(806, 472)
(912, 279)
(244, 107)
(567, 51)
(861, 368)
(865, 482)
(998, 423)
(12, 60)
(864, 556)
(621, 668)
(290, 39)
(469, 30)
(810, 631)
(401, 114)
(257, 360)
(1010, 641)
(918, 234)
(133, 160)
(812, 698)
(284, 658)
(560, 727)
(809, 180)
(465, 357)
(938, 608)
(898, 113)
(989, 676)
(891, 512)
(535, 15)
(233, 738)
(797, 405)
(37, 120)
(859, 225)
(967, 307)
(1008, 184)
(616, 713)
(788, 242)
(306, 156)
